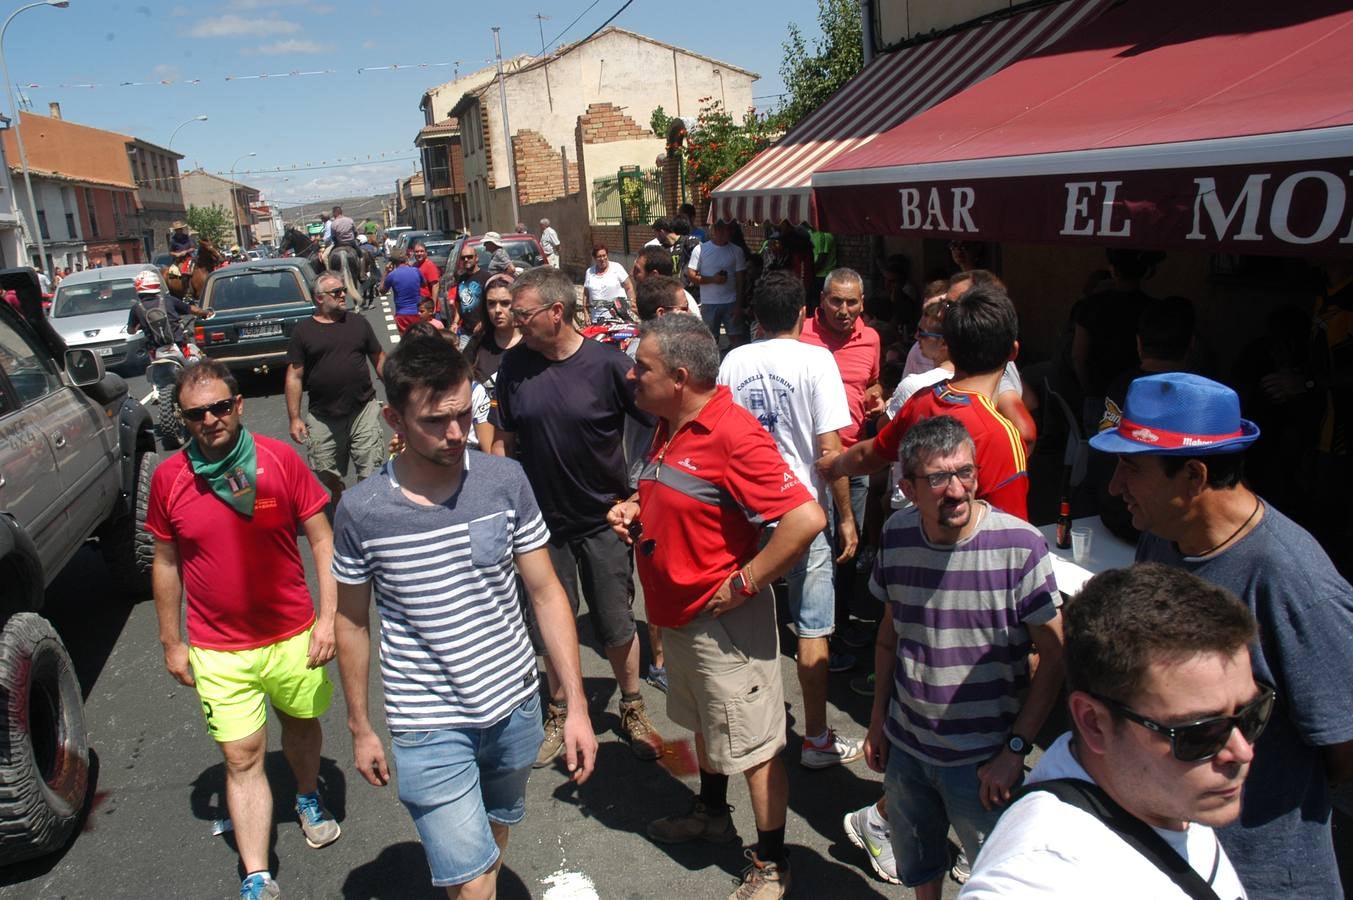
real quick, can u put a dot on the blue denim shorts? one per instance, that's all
(455, 781)
(923, 800)
(812, 595)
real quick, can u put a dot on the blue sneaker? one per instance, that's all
(657, 676)
(317, 825)
(259, 886)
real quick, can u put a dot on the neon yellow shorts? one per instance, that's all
(233, 685)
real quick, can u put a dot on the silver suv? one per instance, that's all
(76, 458)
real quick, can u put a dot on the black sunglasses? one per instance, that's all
(1204, 739)
(219, 409)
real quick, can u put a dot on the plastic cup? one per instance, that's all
(1080, 544)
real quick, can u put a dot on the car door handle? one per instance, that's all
(58, 440)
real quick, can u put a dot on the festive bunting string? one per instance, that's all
(296, 73)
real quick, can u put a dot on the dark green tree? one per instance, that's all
(210, 222)
(811, 77)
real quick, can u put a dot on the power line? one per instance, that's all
(571, 24)
(613, 17)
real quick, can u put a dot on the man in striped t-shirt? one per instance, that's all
(441, 534)
(969, 591)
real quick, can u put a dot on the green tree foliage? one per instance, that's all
(720, 146)
(811, 77)
(658, 122)
(210, 222)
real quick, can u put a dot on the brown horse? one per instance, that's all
(184, 287)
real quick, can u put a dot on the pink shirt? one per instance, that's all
(857, 358)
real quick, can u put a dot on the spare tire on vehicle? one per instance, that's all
(44, 752)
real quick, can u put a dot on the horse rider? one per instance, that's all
(341, 236)
(181, 249)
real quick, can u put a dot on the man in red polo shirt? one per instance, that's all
(980, 329)
(855, 346)
(225, 513)
(712, 480)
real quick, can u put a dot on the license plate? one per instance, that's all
(267, 329)
(104, 351)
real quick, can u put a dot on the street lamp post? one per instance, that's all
(175, 133)
(18, 132)
(234, 197)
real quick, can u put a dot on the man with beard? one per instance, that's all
(328, 356)
(969, 592)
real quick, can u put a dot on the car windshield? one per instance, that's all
(96, 297)
(259, 288)
(523, 252)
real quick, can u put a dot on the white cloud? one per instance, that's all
(238, 26)
(292, 45)
(164, 72)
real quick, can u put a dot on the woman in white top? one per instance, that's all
(608, 292)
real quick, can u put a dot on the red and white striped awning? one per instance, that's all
(775, 185)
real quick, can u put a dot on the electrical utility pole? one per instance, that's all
(541, 19)
(507, 129)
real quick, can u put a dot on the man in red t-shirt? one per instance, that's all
(980, 328)
(432, 276)
(712, 480)
(225, 513)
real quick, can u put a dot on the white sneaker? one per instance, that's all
(874, 842)
(837, 751)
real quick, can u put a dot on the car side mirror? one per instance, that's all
(84, 367)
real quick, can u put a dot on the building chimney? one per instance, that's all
(55, 109)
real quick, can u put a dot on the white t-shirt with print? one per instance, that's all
(794, 390)
(710, 259)
(1042, 847)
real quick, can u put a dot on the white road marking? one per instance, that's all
(394, 339)
(569, 886)
(392, 326)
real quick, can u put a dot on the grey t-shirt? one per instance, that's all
(1281, 845)
(454, 649)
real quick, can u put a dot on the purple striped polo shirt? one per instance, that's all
(961, 613)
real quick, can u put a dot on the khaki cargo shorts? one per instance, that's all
(724, 684)
(358, 439)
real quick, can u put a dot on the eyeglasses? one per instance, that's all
(469, 256)
(929, 334)
(336, 292)
(220, 409)
(525, 315)
(938, 481)
(1200, 741)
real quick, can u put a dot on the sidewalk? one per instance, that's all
(590, 841)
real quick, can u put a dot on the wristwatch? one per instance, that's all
(1018, 745)
(739, 584)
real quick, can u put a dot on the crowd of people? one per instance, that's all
(705, 424)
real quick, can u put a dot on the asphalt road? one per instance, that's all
(158, 783)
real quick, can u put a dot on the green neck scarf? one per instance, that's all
(232, 478)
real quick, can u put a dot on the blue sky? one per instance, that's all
(332, 119)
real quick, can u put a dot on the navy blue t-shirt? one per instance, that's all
(1281, 846)
(406, 282)
(569, 419)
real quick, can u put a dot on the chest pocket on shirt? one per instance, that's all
(489, 545)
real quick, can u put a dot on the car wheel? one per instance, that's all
(44, 772)
(169, 426)
(128, 548)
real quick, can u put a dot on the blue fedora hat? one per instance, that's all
(1178, 414)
